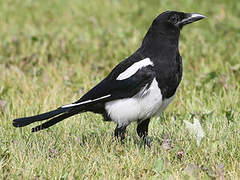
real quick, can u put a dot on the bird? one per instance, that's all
(138, 88)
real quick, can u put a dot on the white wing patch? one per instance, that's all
(85, 102)
(134, 68)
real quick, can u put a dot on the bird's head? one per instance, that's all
(175, 20)
(166, 28)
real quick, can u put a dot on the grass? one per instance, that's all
(51, 52)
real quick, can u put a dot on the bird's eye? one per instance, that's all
(174, 18)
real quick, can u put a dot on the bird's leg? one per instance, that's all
(142, 128)
(119, 132)
(142, 131)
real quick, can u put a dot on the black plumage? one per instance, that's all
(138, 88)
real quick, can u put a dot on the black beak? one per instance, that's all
(190, 18)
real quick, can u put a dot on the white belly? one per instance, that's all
(146, 104)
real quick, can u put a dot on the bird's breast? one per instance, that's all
(145, 104)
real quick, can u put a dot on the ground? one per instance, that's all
(52, 52)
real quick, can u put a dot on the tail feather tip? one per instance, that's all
(16, 123)
(21, 122)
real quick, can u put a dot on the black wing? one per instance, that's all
(113, 89)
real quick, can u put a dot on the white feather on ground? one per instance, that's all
(195, 129)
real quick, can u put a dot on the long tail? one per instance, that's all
(55, 120)
(63, 112)
(20, 122)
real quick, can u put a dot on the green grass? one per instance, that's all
(51, 52)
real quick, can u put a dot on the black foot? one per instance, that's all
(142, 131)
(147, 141)
(119, 132)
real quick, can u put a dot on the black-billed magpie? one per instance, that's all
(138, 88)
